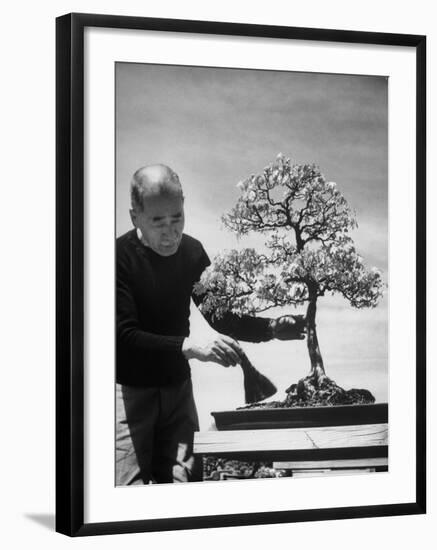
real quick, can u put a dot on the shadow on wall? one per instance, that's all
(46, 520)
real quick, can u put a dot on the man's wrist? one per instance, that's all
(188, 348)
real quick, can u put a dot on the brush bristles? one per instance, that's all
(256, 386)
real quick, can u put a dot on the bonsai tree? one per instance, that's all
(308, 253)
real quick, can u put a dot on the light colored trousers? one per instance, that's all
(154, 435)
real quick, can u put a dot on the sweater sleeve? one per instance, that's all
(245, 327)
(129, 334)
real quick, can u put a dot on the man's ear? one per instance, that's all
(133, 216)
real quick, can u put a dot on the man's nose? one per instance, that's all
(168, 229)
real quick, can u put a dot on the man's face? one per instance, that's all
(161, 223)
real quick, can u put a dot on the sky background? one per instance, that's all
(217, 126)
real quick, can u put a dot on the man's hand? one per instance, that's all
(215, 347)
(289, 327)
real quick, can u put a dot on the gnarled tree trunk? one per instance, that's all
(316, 381)
(312, 341)
(317, 368)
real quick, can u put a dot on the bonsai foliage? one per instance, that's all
(308, 250)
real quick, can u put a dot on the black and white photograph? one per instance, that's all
(252, 280)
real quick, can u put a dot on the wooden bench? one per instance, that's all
(331, 448)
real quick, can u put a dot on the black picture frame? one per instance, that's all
(70, 272)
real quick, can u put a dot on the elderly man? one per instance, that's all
(157, 267)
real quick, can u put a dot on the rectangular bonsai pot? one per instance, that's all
(301, 417)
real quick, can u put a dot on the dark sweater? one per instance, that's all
(153, 308)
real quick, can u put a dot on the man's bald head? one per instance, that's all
(151, 181)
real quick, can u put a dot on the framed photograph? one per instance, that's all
(240, 274)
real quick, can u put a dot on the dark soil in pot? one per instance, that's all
(316, 391)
